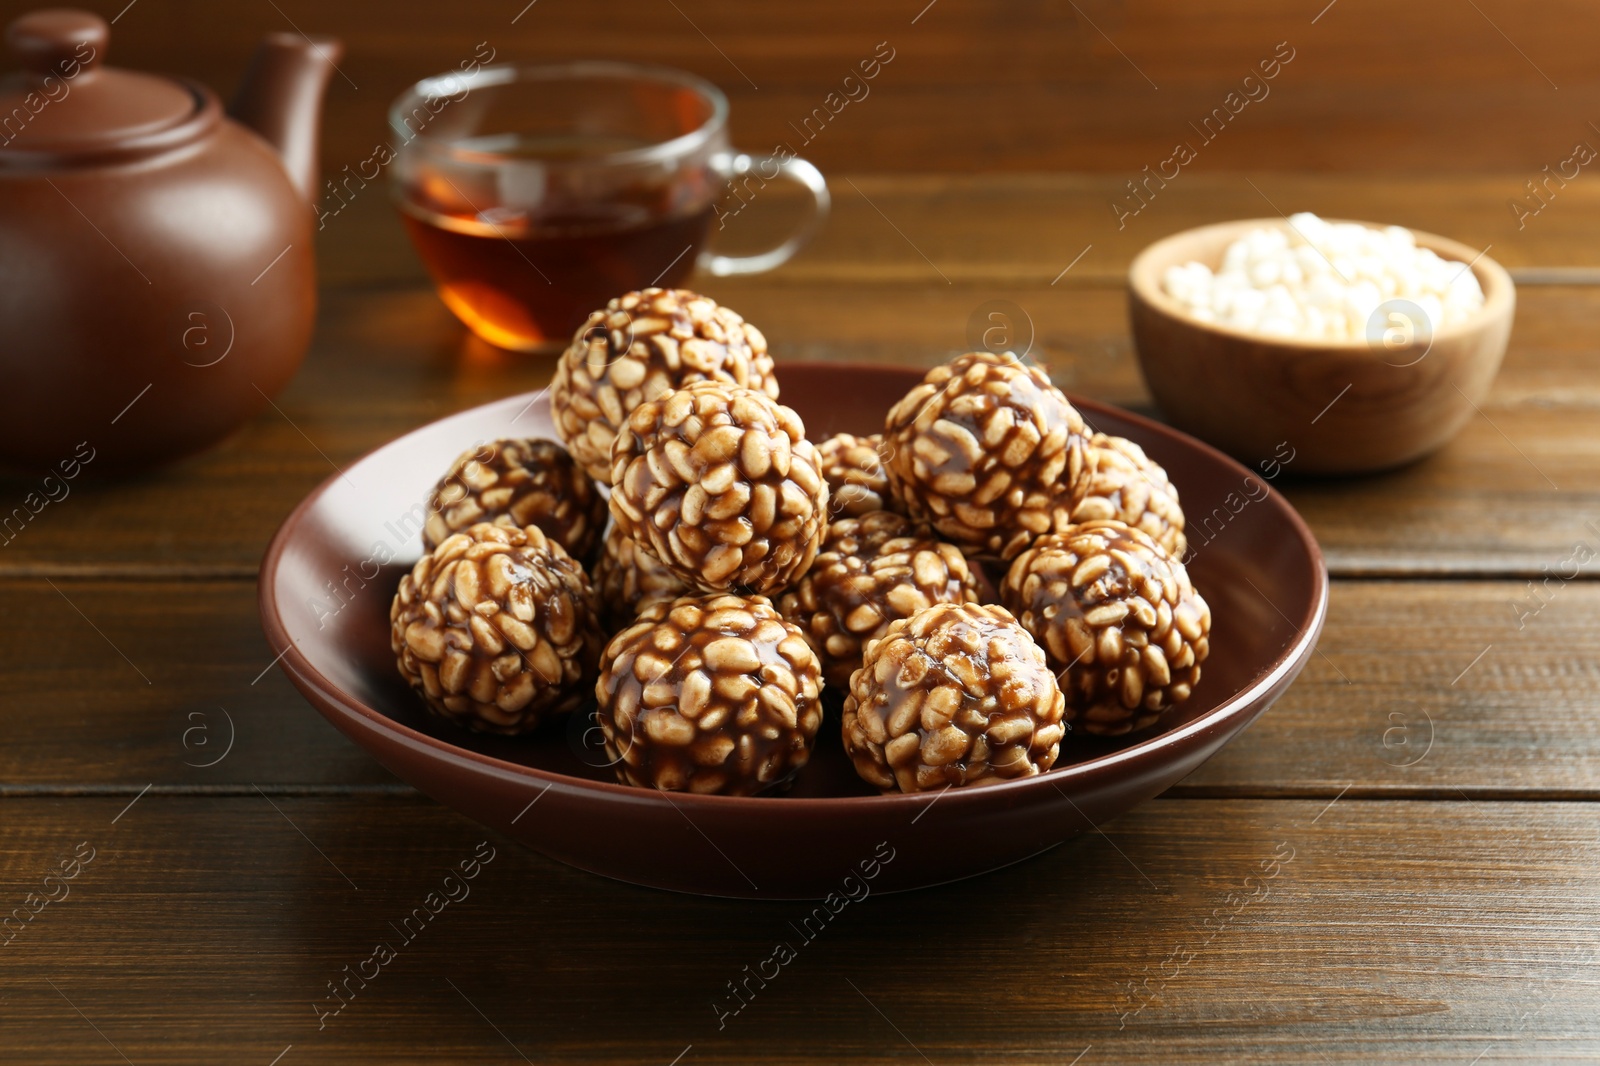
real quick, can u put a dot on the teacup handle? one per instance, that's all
(731, 165)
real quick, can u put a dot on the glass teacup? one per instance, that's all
(534, 194)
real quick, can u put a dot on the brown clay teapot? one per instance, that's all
(156, 271)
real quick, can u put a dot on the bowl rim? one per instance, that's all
(1144, 284)
(330, 700)
(503, 75)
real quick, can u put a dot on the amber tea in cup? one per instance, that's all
(535, 194)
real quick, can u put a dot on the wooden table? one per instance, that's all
(1423, 798)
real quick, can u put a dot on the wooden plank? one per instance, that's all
(1192, 931)
(386, 361)
(1421, 689)
(1086, 86)
(1022, 229)
(130, 684)
(1448, 689)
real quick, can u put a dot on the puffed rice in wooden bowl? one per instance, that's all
(1257, 565)
(1401, 394)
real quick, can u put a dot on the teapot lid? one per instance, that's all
(64, 106)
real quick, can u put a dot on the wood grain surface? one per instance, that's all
(1397, 863)
(1036, 84)
(1421, 689)
(207, 930)
(132, 683)
(1027, 230)
(388, 360)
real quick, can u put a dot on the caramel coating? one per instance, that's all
(496, 629)
(958, 694)
(516, 483)
(709, 694)
(989, 452)
(857, 481)
(872, 571)
(629, 579)
(640, 346)
(720, 484)
(1132, 488)
(1123, 627)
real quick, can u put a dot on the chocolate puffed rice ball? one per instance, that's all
(958, 694)
(871, 572)
(721, 485)
(640, 346)
(1132, 488)
(989, 452)
(709, 694)
(496, 628)
(630, 579)
(1125, 630)
(857, 481)
(516, 483)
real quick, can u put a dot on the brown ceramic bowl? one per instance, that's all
(1261, 572)
(1343, 407)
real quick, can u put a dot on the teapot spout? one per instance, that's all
(281, 99)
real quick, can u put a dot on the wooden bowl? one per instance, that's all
(1341, 407)
(332, 569)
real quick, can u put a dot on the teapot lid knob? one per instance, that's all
(114, 113)
(50, 40)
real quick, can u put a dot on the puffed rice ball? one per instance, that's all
(1123, 627)
(711, 694)
(497, 629)
(720, 484)
(989, 452)
(641, 345)
(958, 694)
(629, 579)
(872, 571)
(518, 483)
(1132, 488)
(857, 481)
